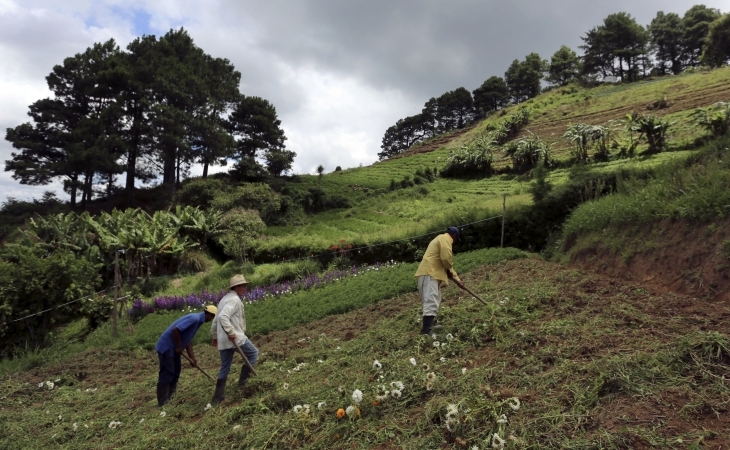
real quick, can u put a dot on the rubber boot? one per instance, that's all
(245, 372)
(163, 394)
(427, 324)
(173, 389)
(220, 391)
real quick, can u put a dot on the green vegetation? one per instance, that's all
(556, 351)
(692, 188)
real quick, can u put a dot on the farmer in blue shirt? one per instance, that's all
(177, 337)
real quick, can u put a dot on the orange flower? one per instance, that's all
(357, 411)
(376, 403)
(340, 413)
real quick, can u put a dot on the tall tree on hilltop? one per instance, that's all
(213, 143)
(492, 95)
(618, 47)
(666, 31)
(523, 77)
(180, 92)
(139, 68)
(696, 25)
(254, 122)
(76, 134)
(401, 136)
(717, 45)
(564, 66)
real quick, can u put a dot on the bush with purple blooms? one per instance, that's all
(141, 308)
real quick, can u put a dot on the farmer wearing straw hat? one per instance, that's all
(434, 272)
(177, 337)
(227, 330)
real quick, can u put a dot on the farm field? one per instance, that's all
(377, 214)
(572, 359)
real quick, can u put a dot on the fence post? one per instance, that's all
(116, 293)
(504, 209)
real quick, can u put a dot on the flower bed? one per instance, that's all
(257, 293)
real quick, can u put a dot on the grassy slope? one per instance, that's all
(595, 363)
(377, 216)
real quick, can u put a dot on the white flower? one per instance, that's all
(449, 337)
(397, 384)
(207, 407)
(463, 370)
(425, 366)
(297, 409)
(306, 408)
(320, 361)
(497, 442)
(474, 447)
(40, 385)
(321, 405)
(286, 386)
(413, 361)
(514, 403)
(429, 386)
(59, 417)
(357, 396)
(236, 427)
(113, 424)
(49, 385)
(338, 348)
(395, 393)
(86, 426)
(350, 411)
(377, 365)
(451, 410)
(163, 413)
(76, 426)
(502, 419)
(382, 397)
(431, 376)
(436, 344)
(433, 336)
(450, 422)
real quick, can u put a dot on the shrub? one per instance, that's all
(338, 168)
(474, 158)
(200, 192)
(715, 118)
(241, 227)
(33, 281)
(526, 152)
(194, 261)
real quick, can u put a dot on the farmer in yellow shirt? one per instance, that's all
(434, 272)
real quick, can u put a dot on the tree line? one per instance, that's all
(153, 109)
(619, 47)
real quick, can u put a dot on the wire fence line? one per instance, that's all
(64, 304)
(411, 238)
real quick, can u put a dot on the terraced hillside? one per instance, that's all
(377, 214)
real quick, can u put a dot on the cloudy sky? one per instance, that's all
(338, 71)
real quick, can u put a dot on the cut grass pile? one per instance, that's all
(594, 364)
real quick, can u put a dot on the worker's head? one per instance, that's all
(210, 312)
(238, 284)
(454, 233)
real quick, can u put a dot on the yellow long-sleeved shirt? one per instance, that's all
(438, 259)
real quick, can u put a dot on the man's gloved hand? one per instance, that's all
(232, 337)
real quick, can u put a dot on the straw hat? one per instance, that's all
(237, 280)
(211, 309)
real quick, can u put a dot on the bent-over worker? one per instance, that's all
(177, 337)
(434, 273)
(227, 329)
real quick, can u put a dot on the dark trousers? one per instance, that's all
(170, 367)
